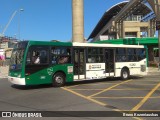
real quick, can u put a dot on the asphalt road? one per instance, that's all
(135, 94)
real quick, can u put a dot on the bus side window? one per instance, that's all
(132, 55)
(121, 55)
(141, 54)
(37, 55)
(95, 55)
(28, 60)
(43, 56)
(60, 55)
(63, 60)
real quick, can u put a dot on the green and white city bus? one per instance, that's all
(38, 62)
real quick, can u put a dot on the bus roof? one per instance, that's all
(83, 44)
(50, 43)
(107, 45)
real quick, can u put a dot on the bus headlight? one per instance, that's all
(19, 76)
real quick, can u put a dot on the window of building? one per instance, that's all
(130, 34)
(134, 18)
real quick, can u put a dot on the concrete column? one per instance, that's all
(151, 29)
(77, 21)
(138, 34)
(117, 30)
(150, 53)
(122, 29)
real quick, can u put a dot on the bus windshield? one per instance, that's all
(16, 59)
(17, 56)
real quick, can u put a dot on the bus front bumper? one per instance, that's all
(16, 80)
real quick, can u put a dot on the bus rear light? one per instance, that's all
(143, 68)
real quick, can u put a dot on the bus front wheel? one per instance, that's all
(58, 79)
(124, 74)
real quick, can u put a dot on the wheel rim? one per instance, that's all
(59, 79)
(125, 74)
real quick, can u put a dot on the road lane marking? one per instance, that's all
(145, 98)
(90, 99)
(95, 101)
(108, 88)
(84, 84)
(139, 84)
(83, 89)
(72, 86)
(77, 89)
(156, 97)
(119, 97)
(148, 110)
(130, 89)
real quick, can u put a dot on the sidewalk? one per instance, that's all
(153, 71)
(4, 71)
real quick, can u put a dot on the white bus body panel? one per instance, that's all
(16, 80)
(106, 45)
(135, 68)
(95, 70)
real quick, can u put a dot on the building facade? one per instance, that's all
(132, 26)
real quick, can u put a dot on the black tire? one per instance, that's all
(125, 74)
(58, 79)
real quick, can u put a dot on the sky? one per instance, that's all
(47, 20)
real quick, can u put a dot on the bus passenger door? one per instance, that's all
(109, 61)
(79, 64)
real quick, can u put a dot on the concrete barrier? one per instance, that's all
(4, 71)
(5, 62)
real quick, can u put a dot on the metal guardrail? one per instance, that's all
(5, 62)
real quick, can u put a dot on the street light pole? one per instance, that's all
(19, 27)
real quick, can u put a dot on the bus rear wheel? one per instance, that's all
(58, 79)
(124, 74)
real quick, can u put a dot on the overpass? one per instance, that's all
(112, 22)
(132, 5)
(147, 11)
(123, 20)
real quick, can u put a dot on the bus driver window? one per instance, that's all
(36, 58)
